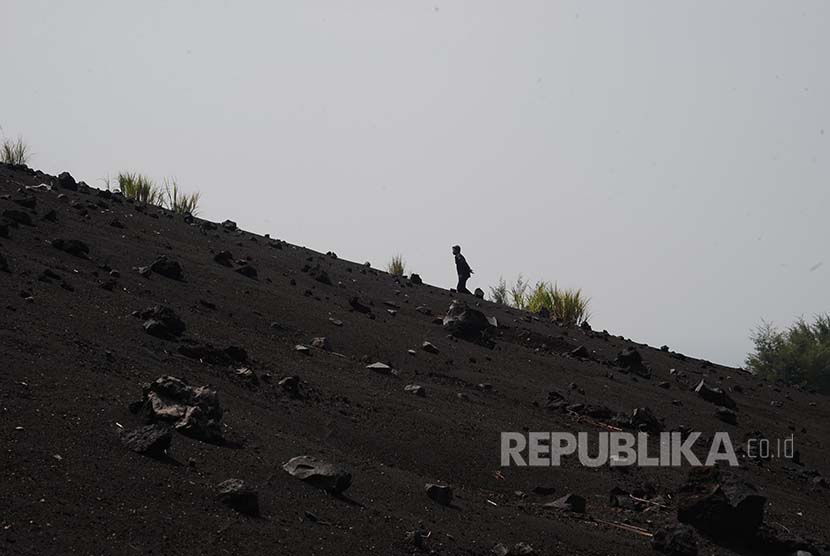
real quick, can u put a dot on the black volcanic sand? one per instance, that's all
(74, 358)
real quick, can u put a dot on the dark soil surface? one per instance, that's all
(73, 357)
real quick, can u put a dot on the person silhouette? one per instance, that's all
(462, 268)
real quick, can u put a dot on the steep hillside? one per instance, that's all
(77, 346)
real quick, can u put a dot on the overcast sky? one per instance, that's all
(670, 158)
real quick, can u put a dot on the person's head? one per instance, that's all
(456, 249)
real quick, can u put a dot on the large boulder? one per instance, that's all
(714, 395)
(720, 505)
(335, 478)
(464, 321)
(194, 412)
(66, 181)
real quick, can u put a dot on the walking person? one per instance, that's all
(462, 268)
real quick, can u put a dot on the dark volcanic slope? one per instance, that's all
(74, 358)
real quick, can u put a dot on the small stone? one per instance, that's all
(415, 389)
(334, 478)
(167, 268)
(302, 349)
(379, 367)
(570, 503)
(321, 343)
(429, 348)
(151, 440)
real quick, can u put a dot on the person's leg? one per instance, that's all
(462, 284)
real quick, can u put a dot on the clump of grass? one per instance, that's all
(178, 201)
(518, 293)
(499, 293)
(397, 266)
(568, 306)
(15, 151)
(139, 187)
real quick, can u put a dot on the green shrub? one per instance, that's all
(177, 201)
(564, 305)
(798, 355)
(140, 188)
(499, 294)
(397, 266)
(15, 151)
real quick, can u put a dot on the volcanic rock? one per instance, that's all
(18, 217)
(675, 540)
(714, 395)
(429, 348)
(415, 389)
(72, 246)
(191, 411)
(229, 225)
(239, 495)
(358, 306)
(726, 415)
(720, 505)
(479, 293)
(464, 321)
(415, 279)
(334, 478)
(167, 268)
(225, 258)
(66, 181)
(570, 502)
(162, 321)
(151, 440)
(248, 271)
(439, 493)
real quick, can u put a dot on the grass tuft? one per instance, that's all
(397, 266)
(15, 151)
(178, 201)
(139, 188)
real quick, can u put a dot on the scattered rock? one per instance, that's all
(479, 293)
(167, 268)
(151, 440)
(424, 310)
(415, 279)
(415, 389)
(463, 321)
(321, 343)
(291, 384)
(439, 493)
(225, 258)
(644, 420)
(72, 246)
(248, 271)
(162, 322)
(320, 275)
(714, 395)
(581, 352)
(239, 495)
(229, 225)
(66, 181)
(191, 411)
(631, 360)
(675, 540)
(334, 478)
(381, 368)
(720, 505)
(429, 348)
(570, 503)
(358, 306)
(726, 415)
(305, 350)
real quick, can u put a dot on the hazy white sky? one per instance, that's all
(670, 158)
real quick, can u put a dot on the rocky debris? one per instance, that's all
(247, 376)
(4, 265)
(162, 322)
(225, 258)
(570, 503)
(439, 493)
(215, 356)
(239, 495)
(194, 412)
(619, 498)
(675, 540)
(720, 505)
(72, 246)
(415, 389)
(17, 216)
(229, 225)
(418, 537)
(424, 310)
(479, 293)
(415, 279)
(463, 321)
(66, 181)
(247, 271)
(714, 395)
(429, 348)
(644, 420)
(292, 385)
(151, 440)
(300, 348)
(630, 360)
(518, 549)
(381, 368)
(168, 268)
(358, 306)
(726, 415)
(321, 343)
(320, 275)
(581, 352)
(335, 478)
